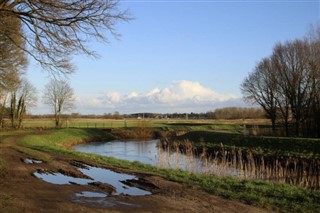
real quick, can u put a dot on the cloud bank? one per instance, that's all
(180, 96)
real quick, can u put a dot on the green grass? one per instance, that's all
(171, 124)
(39, 155)
(191, 126)
(273, 196)
(76, 123)
(64, 138)
(11, 132)
(272, 146)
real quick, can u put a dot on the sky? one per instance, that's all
(181, 56)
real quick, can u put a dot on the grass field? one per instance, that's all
(166, 124)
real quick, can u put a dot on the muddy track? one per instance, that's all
(21, 191)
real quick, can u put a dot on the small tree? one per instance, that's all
(60, 96)
(260, 88)
(22, 97)
(291, 64)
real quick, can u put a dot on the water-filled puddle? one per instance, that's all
(114, 179)
(32, 161)
(60, 179)
(97, 175)
(90, 194)
(98, 199)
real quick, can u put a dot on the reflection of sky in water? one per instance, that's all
(114, 178)
(32, 161)
(97, 175)
(90, 194)
(99, 200)
(60, 179)
(143, 151)
(148, 152)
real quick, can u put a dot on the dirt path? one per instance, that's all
(21, 191)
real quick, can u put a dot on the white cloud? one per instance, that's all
(186, 91)
(132, 94)
(179, 96)
(113, 97)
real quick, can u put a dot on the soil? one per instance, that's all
(21, 191)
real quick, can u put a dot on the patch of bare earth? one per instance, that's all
(23, 192)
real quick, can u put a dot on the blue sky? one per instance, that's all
(182, 56)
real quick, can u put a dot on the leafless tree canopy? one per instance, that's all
(59, 95)
(56, 30)
(260, 87)
(287, 85)
(238, 113)
(12, 59)
(21, 98)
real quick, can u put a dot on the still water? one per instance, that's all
(143, 151)
(235, 163)
(147, 152)
(96, 174)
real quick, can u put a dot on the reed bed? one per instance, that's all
(239, 163)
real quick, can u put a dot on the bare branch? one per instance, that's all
(56, 30)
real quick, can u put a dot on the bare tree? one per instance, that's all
(23, 97)
(291, 62)
(3, 103)
(288, 84)
(313, 40)
(260, 88)
(56, 30)
(13, 60)
(60, 96)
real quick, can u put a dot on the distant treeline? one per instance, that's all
(221, 113)
(237, 113)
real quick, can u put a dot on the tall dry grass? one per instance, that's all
(239, 163)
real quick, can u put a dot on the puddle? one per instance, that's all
(97, 175)
(60, 179)
(90, 194)
(99, 200)
(32, 161)
(115, 179)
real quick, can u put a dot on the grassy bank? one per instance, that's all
(273, 146)
(260, 193)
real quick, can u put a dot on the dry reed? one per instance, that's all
(239, 163)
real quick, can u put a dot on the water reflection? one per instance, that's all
(32, 161)
(99, 200)
(144, 152)
(60, 179)
(148, 152)
(114, 179)
(220, 162)
(90, 194)
(99, 175)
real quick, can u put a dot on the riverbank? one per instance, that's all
(51, 147)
